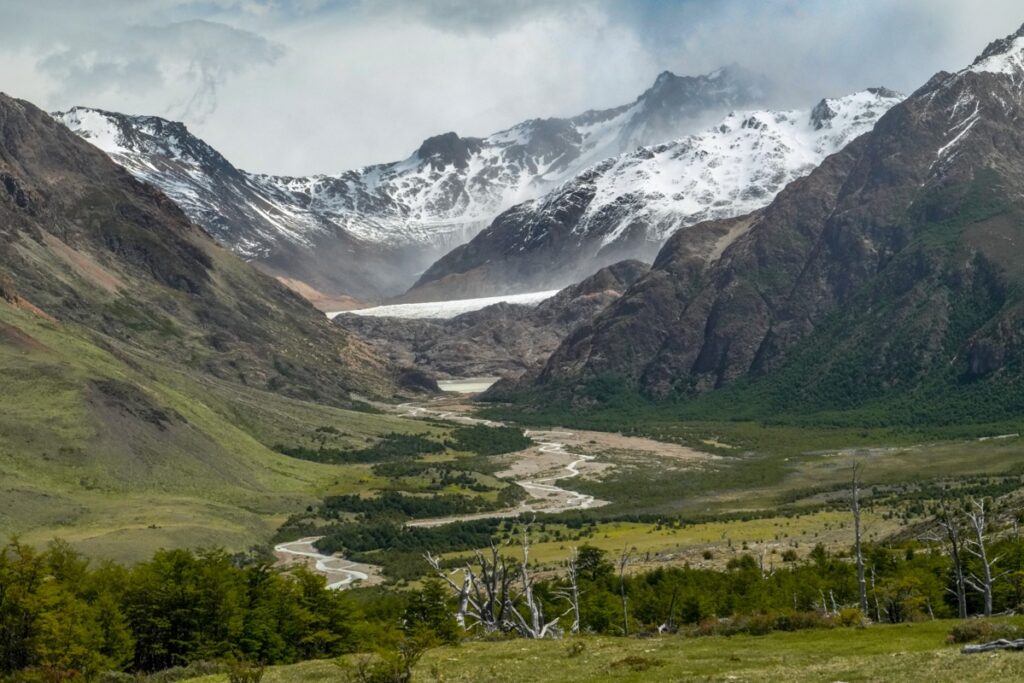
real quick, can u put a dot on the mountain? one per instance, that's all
(887, 282)
(627, 206)
(503, 339)
(88, 244)
(147, 373)
(369, 232)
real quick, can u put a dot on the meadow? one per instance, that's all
(891, 653)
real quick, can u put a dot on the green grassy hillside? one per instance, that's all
(121, 453)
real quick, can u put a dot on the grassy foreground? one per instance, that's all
(905, 652)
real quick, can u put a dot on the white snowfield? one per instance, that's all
(448, 309)
(733, 168)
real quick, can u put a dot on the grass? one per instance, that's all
(905, 652)
(118, 482)
(763, 467)
(650, 544)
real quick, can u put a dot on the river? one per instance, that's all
(536, 469)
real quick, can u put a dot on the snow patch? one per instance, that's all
(448, 309)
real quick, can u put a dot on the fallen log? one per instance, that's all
(1001, 644)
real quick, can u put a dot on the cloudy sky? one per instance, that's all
(308, 86)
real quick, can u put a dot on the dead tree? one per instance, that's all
(954, 545)
(858, 551)
(533, 624)
(495, 591)
(623, 562)
(571, 593)
(976, 546)
(486, 591)
(1001, 644)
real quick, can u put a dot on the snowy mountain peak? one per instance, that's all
(626, 206)
(408, 212)
(125, 137)
(1002, 56)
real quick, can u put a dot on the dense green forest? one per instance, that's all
(64, 619)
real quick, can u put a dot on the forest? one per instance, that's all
(64, 618)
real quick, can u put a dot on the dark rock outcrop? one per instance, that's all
(500, 340)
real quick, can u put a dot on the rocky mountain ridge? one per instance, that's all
(627, 206)
(501, 340)
(369, 231)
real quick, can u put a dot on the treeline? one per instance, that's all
(400, 549)
(393, 446)
(61, 619)
(396, 446)
(484, 440)
(396, 506)
(757, 595)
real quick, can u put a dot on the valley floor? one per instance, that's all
(905, 652)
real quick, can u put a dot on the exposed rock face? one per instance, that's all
(88, 244)
(627, 206)
(893, 267)
(500, 340)
(370, 232)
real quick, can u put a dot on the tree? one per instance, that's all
(950, 538)
(976, 546)
(571, 592)
(858, 551)
(622, 564)
(428, 612)
(499, 595)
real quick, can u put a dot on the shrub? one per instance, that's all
(574, 648)
(637, 663)
(849, 616)
(981, 630)
(244, 672)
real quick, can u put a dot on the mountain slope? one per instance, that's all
(146, 371)
(368, 232)
(88, 244)
(502, 339)
(887, 281)
(627, 206)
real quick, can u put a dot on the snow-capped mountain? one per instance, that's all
(369, 232)
(886, 284)
(627, 206)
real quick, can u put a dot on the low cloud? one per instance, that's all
(184, 63)
(305, 86)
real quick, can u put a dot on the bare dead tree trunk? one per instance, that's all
(857, 549)
(486, 592)
(574, 590)
(976, 546)
(1001, 644)
(623, 561)
(874, 594)
(952, 530)
(488, 599)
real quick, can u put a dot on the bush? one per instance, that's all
(637, 663)
(849, 616)
(244, 672)
(981, 630)
(574, 648)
